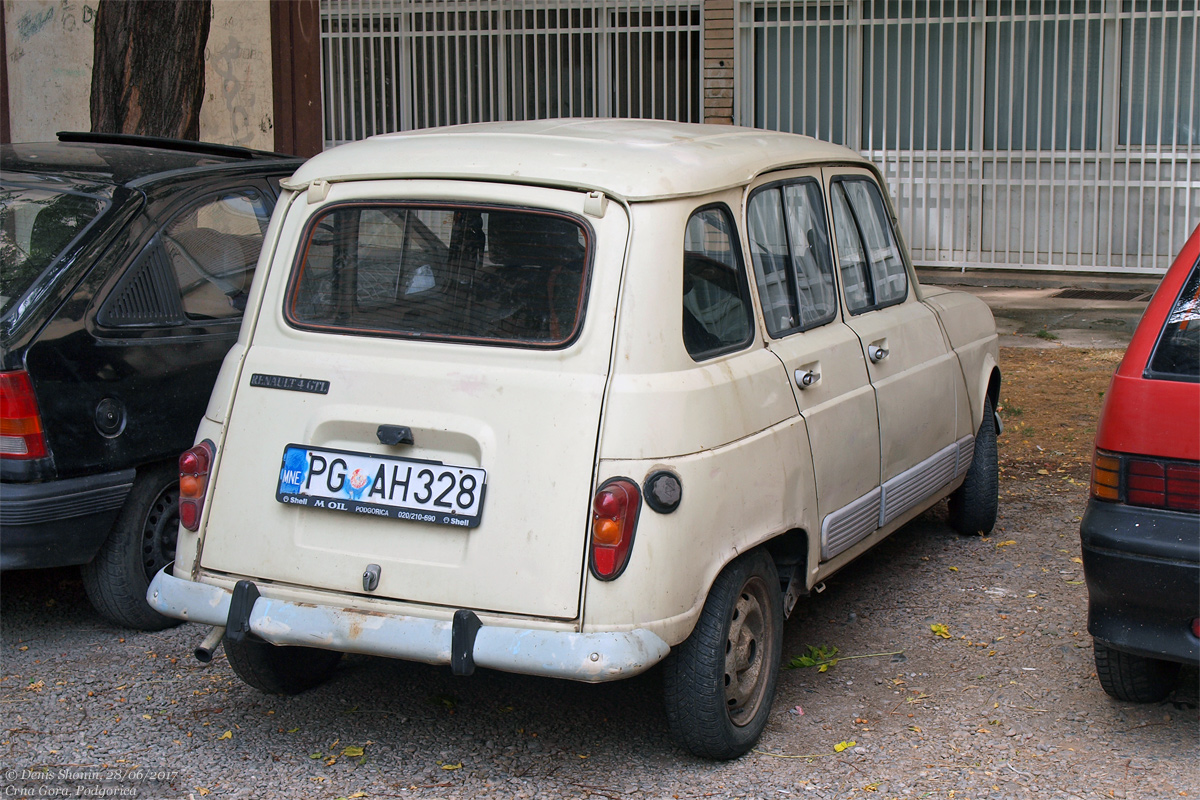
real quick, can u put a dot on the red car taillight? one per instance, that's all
(1142, 481)
(193, 483)
(614, 519)
(21, 434)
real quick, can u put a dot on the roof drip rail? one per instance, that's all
(164, 143)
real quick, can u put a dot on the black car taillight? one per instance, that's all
(21, 434)
(614, 520)
(194, 466)
(1143, 481)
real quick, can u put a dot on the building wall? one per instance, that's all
(238, 107)
(49, 45)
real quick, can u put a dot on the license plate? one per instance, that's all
(381, 486)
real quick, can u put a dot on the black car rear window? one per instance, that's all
(1177, 354)
(36, 226)
(489, 275)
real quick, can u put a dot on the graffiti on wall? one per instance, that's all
(238, 80)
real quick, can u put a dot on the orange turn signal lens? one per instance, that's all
(606, 532)
(1106, 476)
(191, 486)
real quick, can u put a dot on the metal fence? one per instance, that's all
(1033, 134)
(391, 65)
(1060, 135)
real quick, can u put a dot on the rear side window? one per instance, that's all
(789, 245)
(716, 298)
(1177, 354)
(488, 275)
(35, 227)
(214, 248)
(872, 269)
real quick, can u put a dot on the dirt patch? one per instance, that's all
(1050, 402)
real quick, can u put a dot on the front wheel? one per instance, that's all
(719, 683)
(974, 504)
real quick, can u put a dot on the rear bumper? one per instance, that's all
(59, 523)
(1142, 568)
(588, 657)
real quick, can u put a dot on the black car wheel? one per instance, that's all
(280, 670)
(974, 504)
(719, 683)
(1131, 678)
(141, 542)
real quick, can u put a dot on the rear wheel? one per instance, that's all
(973, 505)
(141, 542)
(719, 683)
(280, 670)
(1133, 679)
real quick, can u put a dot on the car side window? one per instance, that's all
(213, 247)
(789, 246)
(869, 259)
(716, 297)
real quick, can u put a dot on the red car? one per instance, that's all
(1141, 531)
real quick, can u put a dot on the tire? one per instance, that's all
(280, 670)
(1133, 679)
(973, 505)
(141, 542)
(719, 683)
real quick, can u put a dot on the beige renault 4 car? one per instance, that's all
(570, 398)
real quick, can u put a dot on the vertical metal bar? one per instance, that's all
(976, 99)
(1012, 135)
(1156, 193)
(1068, 147)
(927, 78)
(1052, 25)
(1188, 147)
(1110, 132)
(1174, 143)
(1084, 105)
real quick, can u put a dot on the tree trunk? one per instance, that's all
(148, 70)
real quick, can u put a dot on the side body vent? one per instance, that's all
(147, 295)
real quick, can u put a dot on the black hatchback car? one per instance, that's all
(124, 267)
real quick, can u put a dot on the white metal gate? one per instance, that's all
(1031, 134)
(390, 65)
(1022, 134)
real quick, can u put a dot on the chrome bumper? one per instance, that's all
(588, 657)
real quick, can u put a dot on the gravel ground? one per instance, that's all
(1004, 705)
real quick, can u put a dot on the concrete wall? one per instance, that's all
(50, 44)
(238, 106)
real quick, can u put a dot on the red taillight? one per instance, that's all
(193, 483)
(1151, 482)
(21, 434)
(614, 519)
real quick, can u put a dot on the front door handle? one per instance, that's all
(806, 378)
(877, 353)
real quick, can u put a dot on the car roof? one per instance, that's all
(116, 160)
(629, 159)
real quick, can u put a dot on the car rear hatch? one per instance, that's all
(423, 393)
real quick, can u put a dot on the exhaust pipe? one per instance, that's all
(204, 651)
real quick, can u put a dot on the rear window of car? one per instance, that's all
(1177, 354)
(36, 226)
(488, 275)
